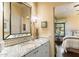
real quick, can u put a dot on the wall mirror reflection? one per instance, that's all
(20, 18)
(6, 18)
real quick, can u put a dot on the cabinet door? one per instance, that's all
(34, 53)
(44, 50)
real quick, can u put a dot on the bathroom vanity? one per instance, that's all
(35, 48)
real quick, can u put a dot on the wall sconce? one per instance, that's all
(34, 19)
(27, 17)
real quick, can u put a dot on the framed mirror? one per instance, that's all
(6, 19)
(17, 21)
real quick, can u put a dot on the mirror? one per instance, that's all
(17, 19)
(6, 18)
(20, 18)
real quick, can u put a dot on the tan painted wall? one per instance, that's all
(72, 23)
(45, 12)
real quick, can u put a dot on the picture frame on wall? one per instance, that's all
(44, 24)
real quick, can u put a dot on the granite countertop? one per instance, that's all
(22, 48)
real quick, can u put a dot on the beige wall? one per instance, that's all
(72, 23)
(45, 12)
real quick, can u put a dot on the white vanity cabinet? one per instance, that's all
(41, 51)
(44, 50)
